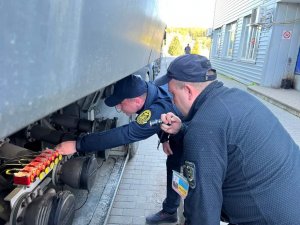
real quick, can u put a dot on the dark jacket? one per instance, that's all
(246, 164)
(158, 102)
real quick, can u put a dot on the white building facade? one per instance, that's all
(257, 41)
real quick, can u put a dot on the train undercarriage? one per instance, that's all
(39, 186)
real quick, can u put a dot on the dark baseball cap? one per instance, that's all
(188, 68)
(129, 87)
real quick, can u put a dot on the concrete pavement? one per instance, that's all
(287, 99)
(142, 188)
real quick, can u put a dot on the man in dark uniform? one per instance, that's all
(133, 95)
(239, 161)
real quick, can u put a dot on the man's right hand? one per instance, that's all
(171, 123)
(66, 148)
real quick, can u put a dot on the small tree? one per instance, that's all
(207, 43)
(175, 47)
(195, 49)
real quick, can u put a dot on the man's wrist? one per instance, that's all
(163, 136)
(78, 143)
(180, 133)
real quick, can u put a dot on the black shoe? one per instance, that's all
(161, 217)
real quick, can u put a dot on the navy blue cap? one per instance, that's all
(188, 68)
(129, 87)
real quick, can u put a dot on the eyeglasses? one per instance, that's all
(119, 106)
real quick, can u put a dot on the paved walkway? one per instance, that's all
(142, 188)
(287, 99)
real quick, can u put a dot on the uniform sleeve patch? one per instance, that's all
(143, 117)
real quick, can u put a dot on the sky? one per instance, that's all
(188, 13)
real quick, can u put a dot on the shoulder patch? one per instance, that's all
(143, 117)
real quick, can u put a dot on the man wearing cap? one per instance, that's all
(239, 161)
(133, 95)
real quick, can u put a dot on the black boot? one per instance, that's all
(161, 217)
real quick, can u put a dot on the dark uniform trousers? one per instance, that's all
(173, 162)
(157, 102)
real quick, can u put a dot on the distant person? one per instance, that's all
(133, 95)
(187, 49)
(239, 161)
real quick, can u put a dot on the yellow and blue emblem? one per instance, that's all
(143, 117)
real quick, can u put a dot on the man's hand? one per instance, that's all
(66, 148)
(167, 149)
(171, 123)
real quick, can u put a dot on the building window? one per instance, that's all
(250, 38)
(229, 39)
(217, 42)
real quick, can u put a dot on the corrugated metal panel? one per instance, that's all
(227, 11)
(244, 71)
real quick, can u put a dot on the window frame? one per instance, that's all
(250, 40)
(229, 39)
(217, 42)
